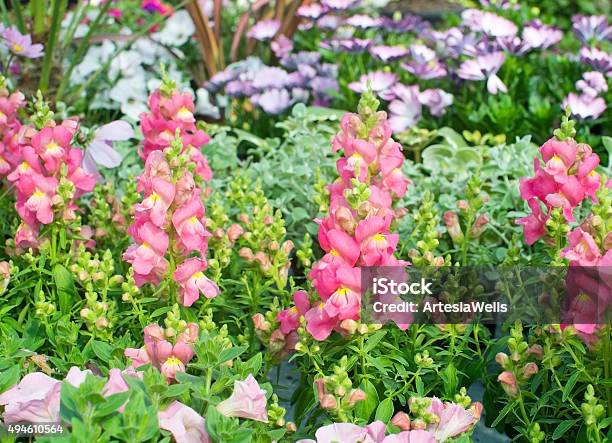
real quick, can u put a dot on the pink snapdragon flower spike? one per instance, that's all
(567, 178)
(247, 401)
(172, 111)
(185, 424)
(169, 223)
(168, 357)
(485, 67)
(48, 159)
(357, 230)
(19, 44)
(10, 125)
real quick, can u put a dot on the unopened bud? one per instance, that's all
(401, 420)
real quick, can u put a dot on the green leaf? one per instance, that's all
(567, 390)
(102, 350)
(9, 378)
(452, 137)
(504, 412)
(384, 411)
(231, 353)
(112, 404)
(607, 142)
(65, 288)
(365, 408)
(374, 340)
(563, 427)
(176, 390)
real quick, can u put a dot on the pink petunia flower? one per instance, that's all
(185, 424)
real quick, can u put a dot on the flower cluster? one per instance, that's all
(167, 350)
(49, 178)
(300, 78)
(357, 231)
(10, 125)
(170, 219)
(432, 421)
(171, 115)
(588, 104)
(567, 178)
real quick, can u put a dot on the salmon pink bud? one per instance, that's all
(291, 427)
(263, 260)
(101, 323)
(536, 350)
(5, 276)
(328, 401)
(462, 205)
(273, 246)
(234, 232)
(268, 220)
(218, 233)
(287, 247)
(607, 244)
(418, 424)
(349, 325)
(244, 219)
(502, 359)
(476, 410)
(260, 323)
(452, 225)
(344, 217)
(479, 226)
(246, 253)
(355, 396)
(508, 382)
(401, 420)
(530, 369)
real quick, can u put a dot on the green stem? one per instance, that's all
(59, 6)
(80, 52)
(606, 351)
(3, 12)
(37, 8)
(20, 22)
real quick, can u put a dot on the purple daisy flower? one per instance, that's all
(281, 46)
(488, 23)
(327, 70)
(584, 106)
(273, 101)
(597, 59)
(405, 110)
(540, 36)
(240, 88)
(299, 95)
(323, 85)
(20, 44)
(424, 64)
(389, 53)
(588, 28)
(270, 77)
(513, 45)
(380, 82)
(363, 21)
(339, 5)
(292, 61)
(485, 67)
(312, 12)
(436, 100)
(349, 45)
(406, 24)
(329, 22)
(264, 29)
(592, 84)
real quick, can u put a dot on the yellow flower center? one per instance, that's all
(38, 194)
(334, 252)
(342, 291)
(193, 220)
(173, 361)
(53, 147)
(146, 245)
(379, 238)
(17, 48)
(198, 274)
(294, 309)
(24, 166)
